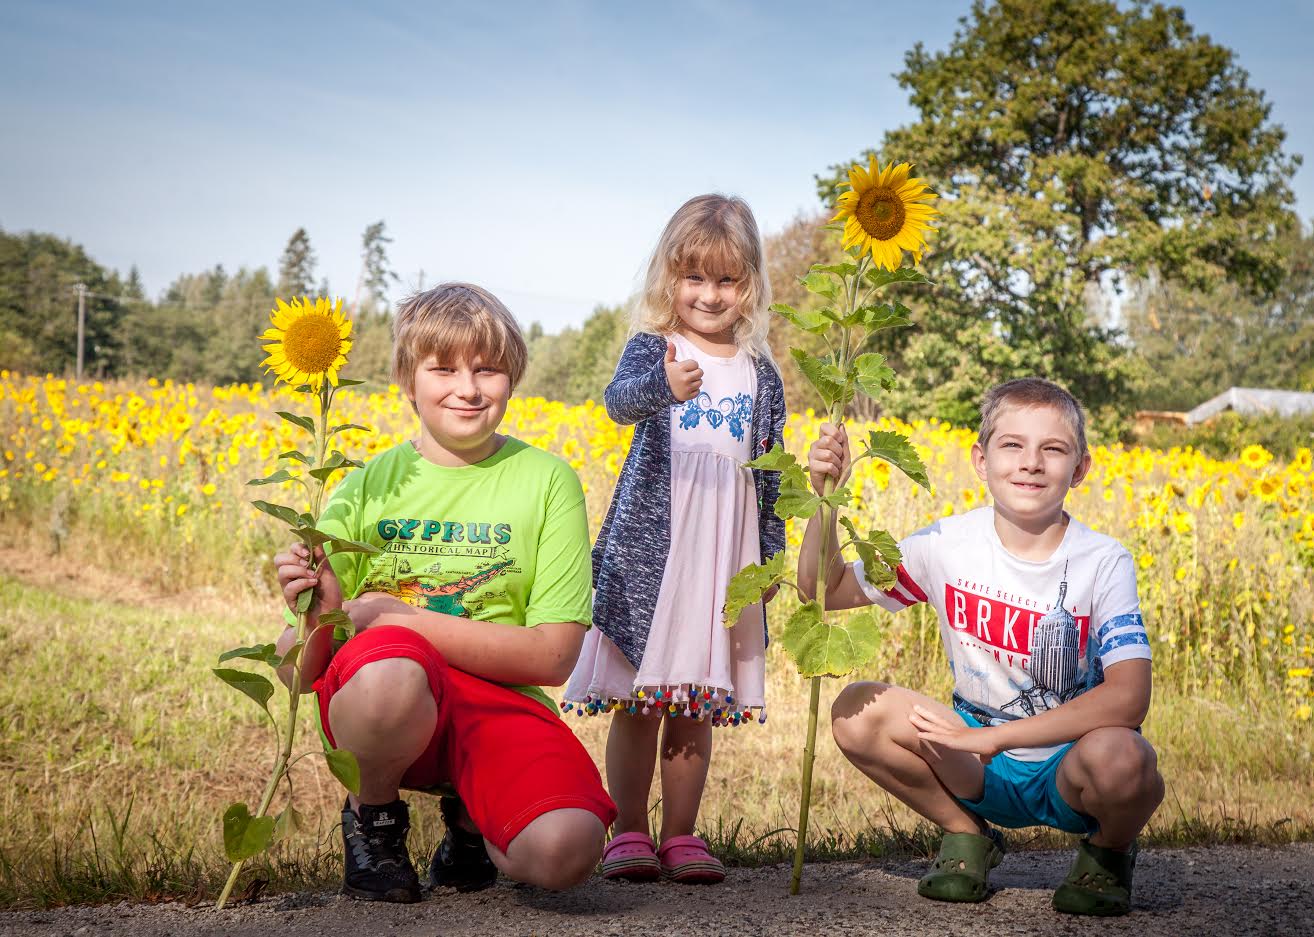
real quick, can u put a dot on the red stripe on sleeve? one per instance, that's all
(909, 586)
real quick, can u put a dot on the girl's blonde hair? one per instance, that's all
(715, 235)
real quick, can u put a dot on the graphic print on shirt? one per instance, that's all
(442, 566)
(1045, 648)
(733, 412)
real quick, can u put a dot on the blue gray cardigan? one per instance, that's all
(630, 554)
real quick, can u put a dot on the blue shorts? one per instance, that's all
(1025, 793)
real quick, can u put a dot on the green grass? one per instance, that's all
(122, 751)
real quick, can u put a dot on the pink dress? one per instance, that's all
(692, 664)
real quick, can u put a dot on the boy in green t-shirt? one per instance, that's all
(481, 593)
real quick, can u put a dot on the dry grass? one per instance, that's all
(122, 753)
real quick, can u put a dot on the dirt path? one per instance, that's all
(1215, 891)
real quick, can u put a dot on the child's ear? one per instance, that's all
(978, 460)
(1080, 472)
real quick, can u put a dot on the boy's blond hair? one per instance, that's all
(456, 321)
(716, 235)
(1031, 392)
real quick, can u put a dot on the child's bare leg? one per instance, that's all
(1112, 774)
(385, 716)
(871, 727)
(631, 758)
(557, 850)
(686, 753)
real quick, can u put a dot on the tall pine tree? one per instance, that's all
(296, 268)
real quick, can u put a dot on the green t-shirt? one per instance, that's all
(504, 540)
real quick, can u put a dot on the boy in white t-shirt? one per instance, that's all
(1043, 631)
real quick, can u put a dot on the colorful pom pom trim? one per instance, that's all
(685, 701)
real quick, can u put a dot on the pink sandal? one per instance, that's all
(686, 859)
(630, 856)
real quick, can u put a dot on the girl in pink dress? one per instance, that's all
(699, 384)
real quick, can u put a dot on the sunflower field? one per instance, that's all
(145, 482)
(152, 475)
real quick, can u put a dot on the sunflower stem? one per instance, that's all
(285, 743)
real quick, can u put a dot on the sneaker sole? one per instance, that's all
(392, 896)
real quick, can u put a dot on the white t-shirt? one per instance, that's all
(1021, 636)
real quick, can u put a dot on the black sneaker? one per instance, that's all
(460, 861)
(378, 865)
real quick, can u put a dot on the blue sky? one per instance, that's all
(535, 148)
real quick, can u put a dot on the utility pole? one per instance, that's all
(82, 321)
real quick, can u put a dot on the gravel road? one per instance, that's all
(1215, 890)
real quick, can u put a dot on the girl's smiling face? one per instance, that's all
(708, 304)
(1029, 464)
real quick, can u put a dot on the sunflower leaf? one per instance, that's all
(879, 554)
(244, 835)
(822, 649)
(796, 498)
(295, 454)
(342, 427)
(748, 585)
(880, 278)
(334, 618)
(297, 419)
(261, 652)
(808, 320)
(250, 684)
(777, 460)
(324, 472)
(348, 382)
(820, 283)
(899, 452)
(284, 514)
(840, 497)
(352, 546)
(884, 316)
(282, 475)
(345, 768)
(311, 537)
(871, 374)
(291, 656)
(289, 822)
(825, 377)
(804, 619)
(840, 269)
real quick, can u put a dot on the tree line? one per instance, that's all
(1118, 216)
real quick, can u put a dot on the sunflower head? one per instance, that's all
(308, 341)
(886, 212)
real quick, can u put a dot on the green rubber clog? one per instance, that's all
(959, 871)
(1099, 882)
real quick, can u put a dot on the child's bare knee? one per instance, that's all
(384, 692)
(559, 850)
(857, 714)
(1121, 762)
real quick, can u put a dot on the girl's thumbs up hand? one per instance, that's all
(684, 377)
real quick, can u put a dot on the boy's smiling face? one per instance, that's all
(1029, 464)
(461, 403)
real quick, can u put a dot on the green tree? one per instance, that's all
(1190, 345)
(576, 364)
(376, 274)
(1077, 142)
(39, 307)
(296, 268)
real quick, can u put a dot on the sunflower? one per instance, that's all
(886, 213)
(1255, 456)
(308, 341)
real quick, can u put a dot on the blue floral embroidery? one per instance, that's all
(735, 412)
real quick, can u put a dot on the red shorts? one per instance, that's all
(509, 757)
